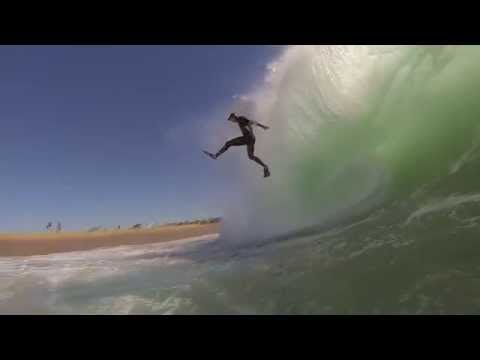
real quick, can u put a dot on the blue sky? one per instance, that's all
(111, 135)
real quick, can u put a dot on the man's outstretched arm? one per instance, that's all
(259, 125)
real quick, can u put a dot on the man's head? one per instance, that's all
(232, 117)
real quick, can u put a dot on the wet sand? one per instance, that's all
(47, 243)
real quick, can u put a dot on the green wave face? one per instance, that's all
(351, 124)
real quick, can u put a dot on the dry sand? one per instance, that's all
(47, 243)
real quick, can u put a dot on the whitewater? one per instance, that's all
(373, 206)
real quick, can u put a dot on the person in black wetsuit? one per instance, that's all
(248, 139)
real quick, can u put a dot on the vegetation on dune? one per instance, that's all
(211, 220)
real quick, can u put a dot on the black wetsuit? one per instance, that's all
(248, 139)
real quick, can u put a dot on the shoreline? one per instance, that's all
(31, 244)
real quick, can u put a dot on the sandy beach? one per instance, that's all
(46, 243)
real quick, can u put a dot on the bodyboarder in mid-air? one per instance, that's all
(248, 139)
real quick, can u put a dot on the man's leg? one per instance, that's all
(251, 156)
(239, 141)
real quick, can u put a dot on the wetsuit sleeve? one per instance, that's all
(258, 124)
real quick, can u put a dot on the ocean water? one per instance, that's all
(373, 206)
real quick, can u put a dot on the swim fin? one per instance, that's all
(210, 155)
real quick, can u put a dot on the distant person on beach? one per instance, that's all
(59, 226)
(49, 226)
(247, 139)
